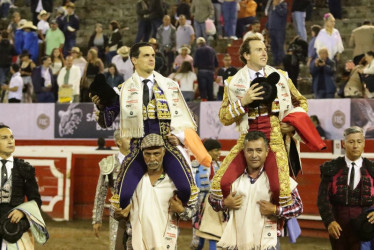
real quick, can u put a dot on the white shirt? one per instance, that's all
(185, 80)
(252, 73)
(150, 84)
(74, 78)
(126, 69)
(43, 26)
(9, 165)
(47, 77)
(16, 81)
(358, 165)
(120, 157)
(333, 42)
(39, 7)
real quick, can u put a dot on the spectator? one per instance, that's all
(277, 14)
(217, 4)
(57, 62)
(166, 35)
(184, 55)
(246, 16)
(14, 25)
(45, 86)
(7, 51)
(205, 62)
(329, 38)
(4, 9)
(317, 124)
(323, 71)
(114, 41)
(184, 8)
(70, 28)
(156, 13)
(94, 66)
(335, 8)
(187, 81)
(99, 41)
(54, 38)
(355, 88)
(368, 71)
(201, 10)
(296, 53)
(70, 77)
(37, 6)
(60, 17)
(230, 13)
(255, 30)
(298, 17)
(101, 144)
(30, 40)
(18, 37)
(144, 22)
(27, 67)
(123, 62)
(185, 33)
(223, 73)
(160, 66)
(362, 39)
(15, 85)
(78, 59)
(43, 25)
(112, 77)
(312, 54)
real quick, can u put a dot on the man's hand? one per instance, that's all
(267, 208)
(173, 139)
(334, 229)
(96, 228)
(96, 100)
(286, 128)
(371, 217)
(122, 212)
(252, 95)
(16, 215)
(233, 201)
(176, 205)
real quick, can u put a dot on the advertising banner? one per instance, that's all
(29, 120)
(78, 120)
(334, 115)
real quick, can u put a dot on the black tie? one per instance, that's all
(4, 173)
(258, 74)
(145, 92)
(352, 177)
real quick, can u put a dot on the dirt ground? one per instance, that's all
(78, 235)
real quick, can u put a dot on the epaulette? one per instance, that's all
(330, 168)
(369, 166)
(25, 169)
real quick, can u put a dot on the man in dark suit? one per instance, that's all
(70, 27)
(45, 86)
(346, 190)
(18, 179)
(46, 5)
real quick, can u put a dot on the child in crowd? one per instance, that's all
(223, 73)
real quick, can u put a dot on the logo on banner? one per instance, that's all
(69, 120)
(43, 121)
(338, 119)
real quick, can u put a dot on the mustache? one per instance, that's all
(153, 163)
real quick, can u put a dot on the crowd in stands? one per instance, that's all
(40, 61)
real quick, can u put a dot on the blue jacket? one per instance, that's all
(277, 18)
(328, 74)
(38, 81)
(30, 43)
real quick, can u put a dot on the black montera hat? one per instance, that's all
(101, 88)
(211, 144)
(12, 232)
(363, 228)
(268, 86)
